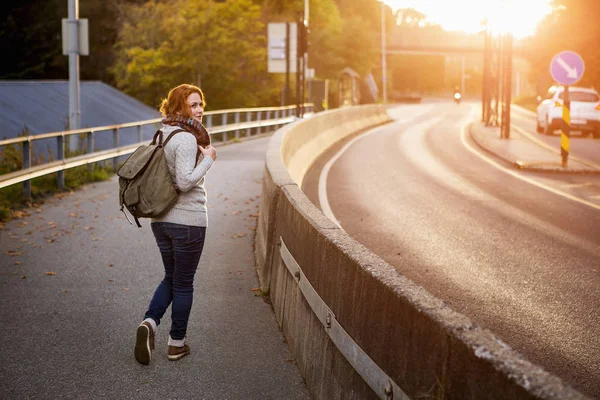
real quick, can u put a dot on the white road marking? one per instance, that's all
(576, 185)
(519, 176)
(322, 192)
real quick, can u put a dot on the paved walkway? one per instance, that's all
(76, 278)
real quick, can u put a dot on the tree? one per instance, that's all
(562, 30)
(221, 47)
(30, 39)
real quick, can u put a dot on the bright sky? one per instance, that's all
(519, 17)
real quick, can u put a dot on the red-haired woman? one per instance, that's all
(181, 231)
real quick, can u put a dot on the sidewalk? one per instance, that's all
(76, 278)
(522, 152)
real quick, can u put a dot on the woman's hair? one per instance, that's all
(176, 101)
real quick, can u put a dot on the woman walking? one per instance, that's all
(181, 231)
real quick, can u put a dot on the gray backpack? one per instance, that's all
(146, 188)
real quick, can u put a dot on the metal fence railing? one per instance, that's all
(223, 125)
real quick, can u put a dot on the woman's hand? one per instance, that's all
(209, 151)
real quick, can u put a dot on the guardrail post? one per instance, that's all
(259, 129)
(209, 121)
(90, 145)
(237, 121)
(60, 155)
(26, 164)
(268, 118)
(115, 145)
(139, 134)
(277, 117)
(248, 119)
(223, 123)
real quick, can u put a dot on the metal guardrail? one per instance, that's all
(217, 122)
(374, 376)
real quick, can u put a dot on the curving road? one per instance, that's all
(518, 259)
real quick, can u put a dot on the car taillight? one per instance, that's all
(598, 107)
(557, 104)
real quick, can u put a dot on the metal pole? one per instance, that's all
(383, 56)
(565, 135)
(306, 13)
(507, 84)
(298, 64)
(287, 63)
(463, 62)
(74, 108)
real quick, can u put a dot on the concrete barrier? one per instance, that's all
(357, 328)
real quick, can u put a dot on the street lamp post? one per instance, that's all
(383, 55)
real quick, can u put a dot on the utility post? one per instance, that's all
(506, 86)
(302, 48)
(383, 54)
(565, 135)
(75, 43)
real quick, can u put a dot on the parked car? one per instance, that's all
(585, 110)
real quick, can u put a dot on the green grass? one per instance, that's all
(13, 199)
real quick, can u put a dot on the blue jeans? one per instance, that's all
(180, 247)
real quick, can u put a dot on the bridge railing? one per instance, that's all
(222, 125)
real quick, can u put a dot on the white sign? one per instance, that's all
(276, 50)
(83, 40)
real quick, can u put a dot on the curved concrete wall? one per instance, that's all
(426, 348)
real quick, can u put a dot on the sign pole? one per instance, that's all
(567, 69)
(287, 63)
(565, 135)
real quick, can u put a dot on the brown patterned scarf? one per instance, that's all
(191, 125)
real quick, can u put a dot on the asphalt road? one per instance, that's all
(517, 259)
(76, 278)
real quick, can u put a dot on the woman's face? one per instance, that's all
(195, 103)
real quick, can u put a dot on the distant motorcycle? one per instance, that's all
(457, 97)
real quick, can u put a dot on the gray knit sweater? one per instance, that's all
(180, 153)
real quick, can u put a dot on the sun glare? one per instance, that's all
(519, 17)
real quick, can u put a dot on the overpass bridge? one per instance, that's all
(438, 42)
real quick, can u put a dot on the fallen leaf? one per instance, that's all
(255, 289)
(64, 291)
(17, 262)
(50, 273)
(110, 265)
(24, 277)
(125, 288)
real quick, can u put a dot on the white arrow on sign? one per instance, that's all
(571, 72)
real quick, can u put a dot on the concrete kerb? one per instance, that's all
(481, 139)
(418, 341)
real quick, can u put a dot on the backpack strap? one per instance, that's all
(176, 131)
(158, 137)
(159, 134)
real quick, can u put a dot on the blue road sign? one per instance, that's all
(567, 67)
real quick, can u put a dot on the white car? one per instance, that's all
(585, 110)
